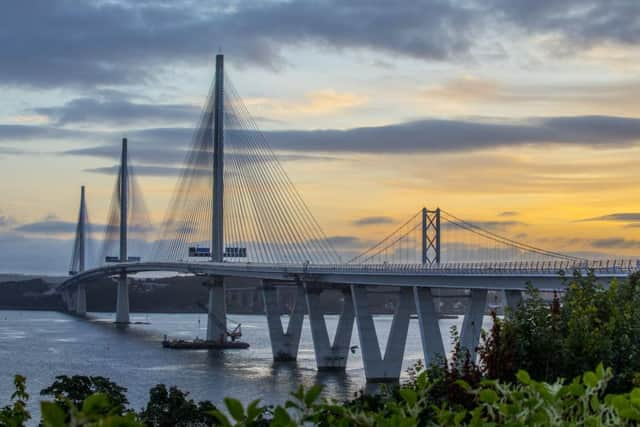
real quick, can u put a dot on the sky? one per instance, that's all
(523, 114)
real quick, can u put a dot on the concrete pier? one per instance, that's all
(330, 356)
(122, 300)
(472, 323)
(217, 313)
(284, 345)
(81, 300)
(377, 368)
(432, 345)
(513, 299)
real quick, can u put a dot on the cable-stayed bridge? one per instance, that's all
(236, 213)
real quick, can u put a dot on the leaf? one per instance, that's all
(52, 415)
(312, 395)
(463, 385)
(488, 396)
(95, 404)
(590, 379)
(235, 408)
(523, 377)
(409, 396)
(595, 403)
(281, 417)
(253, 410)
(221, 418)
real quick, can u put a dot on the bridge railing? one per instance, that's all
(620, 266)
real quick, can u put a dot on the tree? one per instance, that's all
(16, 415)
(75, 390)
(174, 408)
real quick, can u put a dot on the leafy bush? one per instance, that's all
(173, 408)
(591, 323)
(16, 415)
(72, 392)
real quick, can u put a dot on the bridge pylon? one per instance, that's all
(217, 319)
(122, 300)
(77, 301)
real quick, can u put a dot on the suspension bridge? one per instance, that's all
(236, 213)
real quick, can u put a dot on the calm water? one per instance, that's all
(41, 345)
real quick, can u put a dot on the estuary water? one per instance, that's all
(42, 344)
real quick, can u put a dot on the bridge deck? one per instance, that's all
(499, 276)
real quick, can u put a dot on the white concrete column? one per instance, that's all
(71, 299)
(284, 346)
(122, 301)
(217, 313)
(377, 368)
(65, 299)
(81, 300)
(432, 345)
(330, 356)
(472, 323)
(513, 299)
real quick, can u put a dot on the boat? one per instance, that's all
(230, 341)
(198, 344)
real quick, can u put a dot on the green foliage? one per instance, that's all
(172, 407)
(96, 411)
(16, 415)
(70, 392)
(531, 403)
(592, 323)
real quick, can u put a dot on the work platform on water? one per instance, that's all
(198, 344)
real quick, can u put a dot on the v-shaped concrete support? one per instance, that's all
(472, 323)
(284, 346)
(513, 299)
(377, 368)
(432, 345)
(330, 356)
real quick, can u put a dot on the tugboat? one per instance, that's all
(229, 341)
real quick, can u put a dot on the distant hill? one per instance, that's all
(11, 277)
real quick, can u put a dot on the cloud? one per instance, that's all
(51, 225)
(47, 227)
(118, 112)
(34, 132)
(437, 135)
(576, 24)
(615, 243)
(622, 217)
(34, 255)
(122, 42)
(348, 242)
(373, 220)
(487, 225)
(508, 213)
(6, 220)
(142, 170)
(167, 145)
